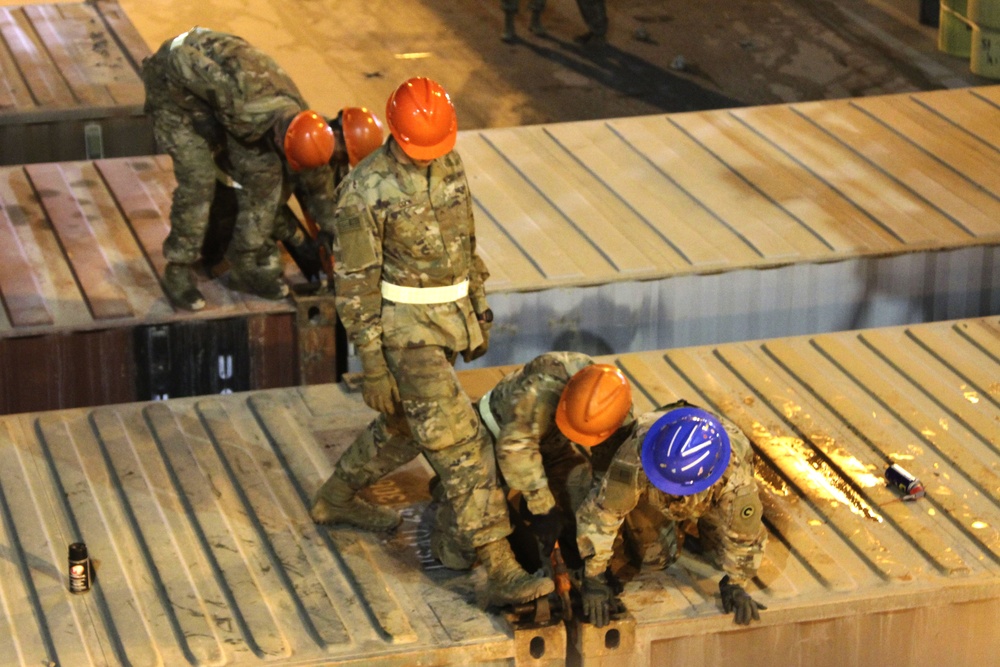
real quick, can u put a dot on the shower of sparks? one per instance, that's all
(809, 470)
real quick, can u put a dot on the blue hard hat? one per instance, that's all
(685, 451)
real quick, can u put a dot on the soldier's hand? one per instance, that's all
(380, 392)
(597, 600)
(378, 386)
(738, 601)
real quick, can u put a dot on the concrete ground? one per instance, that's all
(662, 55)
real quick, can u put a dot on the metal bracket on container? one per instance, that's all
(537, 642)
(93, 141)
(604, 647)
(316, 320)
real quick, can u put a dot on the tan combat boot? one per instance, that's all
(337, 502)
(508, 583)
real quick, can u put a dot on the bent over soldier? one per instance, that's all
(216, 101)
(543, 417)
(690, 465)
(410, 292)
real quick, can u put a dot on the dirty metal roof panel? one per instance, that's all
(595, 202)
(565, 205)
(83, 249)
(74, 59)
(195, 512)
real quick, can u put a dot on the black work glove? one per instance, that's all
(735, 599)
(304, 251)
(547, 528)
(597, 600)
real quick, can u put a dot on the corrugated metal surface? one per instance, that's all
(608, 236)
(65, 67)
(716, 226)
(590, 204)
(196, 513)
(84, 248)
(81, 261)
(594, 202)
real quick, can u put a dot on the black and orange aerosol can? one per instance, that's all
(80, 574)
(911, 487)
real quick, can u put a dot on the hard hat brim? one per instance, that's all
(426, 153)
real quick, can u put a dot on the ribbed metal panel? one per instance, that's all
(684, 229)
(195, 511)
(641, 198)
(81, 259)
(71, 83)
(84, 244)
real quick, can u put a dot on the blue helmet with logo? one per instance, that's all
(685, 451)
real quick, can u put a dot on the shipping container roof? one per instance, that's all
(195, 513)
(568, 204)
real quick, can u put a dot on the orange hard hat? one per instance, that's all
(362, 132)
(594, 403)
(422, 119)
(309, 141)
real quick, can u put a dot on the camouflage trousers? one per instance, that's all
(435, 418)
(568, 473)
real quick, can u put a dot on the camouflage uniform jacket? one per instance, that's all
(214, 74)
(409, 226)
(524, 407)
(728, 513)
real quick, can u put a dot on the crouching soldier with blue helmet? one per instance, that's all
(689, 465)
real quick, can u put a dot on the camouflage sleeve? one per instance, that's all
(202, 76)
(732, 529)
(357, 253)
(314, 188)
(518, 447)
(478, 273)
(601, 515)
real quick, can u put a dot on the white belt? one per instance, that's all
(425, 295)
(487, 415)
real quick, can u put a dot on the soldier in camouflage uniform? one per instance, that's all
(691, 465)
(410, 292)
(543, 418)
(212, 94)
(357, 132)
